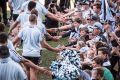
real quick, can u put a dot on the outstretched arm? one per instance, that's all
(13, 26)
(47, 46)
(40, 69)
(52, 16)
(15, 40)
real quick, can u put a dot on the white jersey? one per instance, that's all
(74, 35)
(10, 70)
(23, 17)
(31, 37)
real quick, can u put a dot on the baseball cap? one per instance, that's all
(95, 18)
(98, 25)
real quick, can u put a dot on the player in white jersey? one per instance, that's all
(9, 70)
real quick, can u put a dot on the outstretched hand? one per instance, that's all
(63, 20)
(59, 49)
(56, 38)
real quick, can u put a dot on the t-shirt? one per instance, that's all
(107, 74)
(23, 17)
(31, 37)
(40, 26)
(10, 70)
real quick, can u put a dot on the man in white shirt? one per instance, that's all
(10, 70)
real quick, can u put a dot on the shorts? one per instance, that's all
(35, 60)
(15, 16)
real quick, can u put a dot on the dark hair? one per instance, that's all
(54, 1)
(84, 29)
(95, 18)
(114, 43)
(31, 5)
(97, 4)
(2, 27)
(98, 60)
(104, 50)
(4, 52)
(118, 22)
(100, 71)
(34, 11)
(100, 44)
(117, 33)
(3, 37)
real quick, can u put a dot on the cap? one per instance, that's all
(95, 18)
(98, 25)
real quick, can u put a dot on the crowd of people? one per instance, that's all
(91, 28)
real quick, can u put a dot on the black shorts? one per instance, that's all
(15, 16)
(35, 60)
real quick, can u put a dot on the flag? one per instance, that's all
(106, 12)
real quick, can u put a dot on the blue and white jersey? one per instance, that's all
(31, 37)
(16, 4)
(74, 35)
(39, 7)
(10, 70)
(23, 17)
